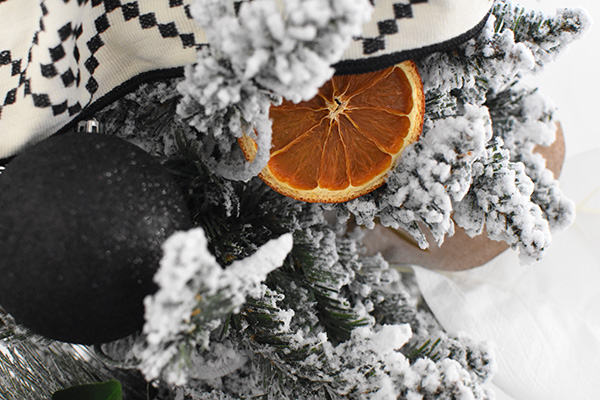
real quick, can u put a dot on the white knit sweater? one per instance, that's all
(62, 60)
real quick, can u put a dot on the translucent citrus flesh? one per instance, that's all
(342, 143)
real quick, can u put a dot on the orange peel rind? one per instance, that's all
(342, 143)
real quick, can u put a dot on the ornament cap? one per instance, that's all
(90, 126)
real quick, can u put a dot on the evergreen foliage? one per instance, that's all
(467, 91)
(241, 313)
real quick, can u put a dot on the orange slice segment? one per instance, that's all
(342, 143)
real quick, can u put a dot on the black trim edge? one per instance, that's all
(121, 90)
(363, 65)
(113, 95)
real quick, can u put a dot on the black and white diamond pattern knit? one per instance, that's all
(409, 29)
(62, 59)
(67, 55)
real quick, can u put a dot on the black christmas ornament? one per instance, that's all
(82, 220)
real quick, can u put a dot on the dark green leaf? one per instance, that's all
(109, 390)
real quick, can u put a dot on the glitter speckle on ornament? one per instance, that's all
(82, 220)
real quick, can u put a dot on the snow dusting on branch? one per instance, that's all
(473, 101)
(268, 50)
(500, 200)
(194, 297)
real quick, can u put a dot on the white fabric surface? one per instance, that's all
(430, 22)
(543, 319)
(61, 57)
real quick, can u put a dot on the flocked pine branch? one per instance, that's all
(524, 120)
(499, 201)
(265, 51)
(286, 342)
(151, 124)
(432, 173)
(367, 364)
(325, 277)
(473, 79)
(514, 42)
(545, 35)
(28, 372)
(195, 294)
(332, 323)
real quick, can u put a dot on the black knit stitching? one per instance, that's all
(91, 64)
(57, 53)
(168, 30)
(59, 109)
(102, 23)
(5, 57)
(130, 10)
(387, 27)
(68, 78)
(111, 5)
(48, 70)
(402, 11)
(147, 20)
(11, 96)
(16, 67)
(364, 65)
(74, 109)
(92, 85)
(65, 32)
(95, 43)
(40, 100)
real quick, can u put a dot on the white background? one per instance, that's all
(572, 81)
(544, 319)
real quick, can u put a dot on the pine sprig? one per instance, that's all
(425, 350)
(325, 267)
(500, 201)
(237, 217)
(524, 120)
(544, 34)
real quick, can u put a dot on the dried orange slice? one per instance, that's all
(341, 144)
